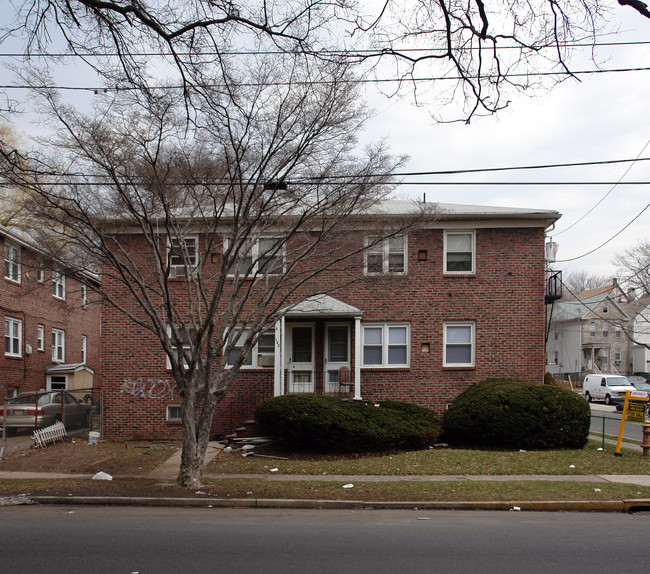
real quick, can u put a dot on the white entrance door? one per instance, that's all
(301, 359)
(337, 356)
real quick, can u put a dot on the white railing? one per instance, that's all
(47, 435)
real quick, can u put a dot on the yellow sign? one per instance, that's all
(629, 406)
(636, 412)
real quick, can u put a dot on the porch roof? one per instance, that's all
(68, 369)
(321, 306)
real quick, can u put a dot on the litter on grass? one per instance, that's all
(350, 485)
(102, 476)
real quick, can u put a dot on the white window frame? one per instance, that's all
(185, 346)
(177, 264)
(58, 345)
(447, 235)
(385, 345)
(84, 349)
(40, 271)
(256, 358)
(13, 266)
(472, 342)
(58, 285)
(83, 291)
(171, 418)
(13, 336)
(618, 356)
(253, 253)
(40, 338)
(592, 329)
(61, 382)
(375, 245)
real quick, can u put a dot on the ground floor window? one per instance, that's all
(174, 413)
(57, 382)
(386, 345)
(458, 343)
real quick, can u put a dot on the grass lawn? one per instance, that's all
(125, 461)
(443, 461)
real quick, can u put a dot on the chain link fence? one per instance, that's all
(80, 411)
(605, 430)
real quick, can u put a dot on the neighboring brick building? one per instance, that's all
(445, 305)
(51, 326)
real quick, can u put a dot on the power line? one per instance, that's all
(609, 240)
(607, 194)
(486, 77)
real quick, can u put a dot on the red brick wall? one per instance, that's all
(505, 299)
(32, 302)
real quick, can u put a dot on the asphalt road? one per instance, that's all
(145, 541)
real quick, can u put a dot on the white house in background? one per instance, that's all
(590, 334)
(640, 347)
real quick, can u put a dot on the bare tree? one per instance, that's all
(634, 266)
(203, 230)
(473, 55)
(575, 282)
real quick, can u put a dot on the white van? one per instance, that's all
(608, 388)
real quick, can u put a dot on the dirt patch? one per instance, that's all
(78, 457)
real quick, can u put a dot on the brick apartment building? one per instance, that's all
(51, 326)
(457, 300)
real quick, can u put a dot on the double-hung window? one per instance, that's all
(13, 337)
(12, 262)
(386, 255)
(460, 252)
(40, 338)
(261, 356)
(262, 256)
(386, 345)
(84, 349)
(83, 289)
(185, 346)
(58, 284)
(183, 253)
(459, 344)
(58, 345)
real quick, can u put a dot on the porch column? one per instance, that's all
(357, 356)
(278, 371)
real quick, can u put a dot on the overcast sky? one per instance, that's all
(604, 117)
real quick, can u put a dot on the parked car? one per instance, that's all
(639, 384)
(610, 388)
(638, 380)
(39, 410)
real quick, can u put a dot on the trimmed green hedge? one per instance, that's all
(507, 413)
(329, 424)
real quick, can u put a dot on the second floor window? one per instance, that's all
(183, 253)
(13, 337)
(84, 295)
(58, 284)
(84, 348)
(40, 338)
(12, 262)
(385, 256)
(263, 256)
(592, 329)
(58, 345)
(460, 252)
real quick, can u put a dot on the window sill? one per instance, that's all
(13, 356)
(459, 367)
(386, 368)
(13, 281)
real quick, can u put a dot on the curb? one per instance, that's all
(633, 505)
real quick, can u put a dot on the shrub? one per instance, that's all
(327, 423)
(506, 413)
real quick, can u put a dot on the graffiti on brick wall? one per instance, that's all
(149, 388)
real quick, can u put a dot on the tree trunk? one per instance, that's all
(197, 423)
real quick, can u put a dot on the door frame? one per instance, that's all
(330, 387)
(302, 367)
